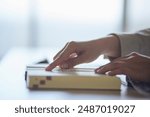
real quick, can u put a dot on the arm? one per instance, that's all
(131, 64)
(136, 42)
(112, 46)
(75, 53)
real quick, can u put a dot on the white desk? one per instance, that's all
(13, 85)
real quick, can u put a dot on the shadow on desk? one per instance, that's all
(130, 92)
(133, 93)
(71, 94)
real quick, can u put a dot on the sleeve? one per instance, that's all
(136, 42)
(141, 87)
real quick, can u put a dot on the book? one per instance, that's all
(75, 78)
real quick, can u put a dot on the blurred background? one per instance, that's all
(52, 23)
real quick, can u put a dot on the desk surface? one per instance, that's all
(13, 85)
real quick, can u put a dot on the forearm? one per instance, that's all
(109, 46)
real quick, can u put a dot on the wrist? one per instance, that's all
(110, 46)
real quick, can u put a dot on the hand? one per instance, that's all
(75, 53)
(135, 65)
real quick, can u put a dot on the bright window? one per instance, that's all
(52, 23)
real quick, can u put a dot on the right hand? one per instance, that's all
(75, 53)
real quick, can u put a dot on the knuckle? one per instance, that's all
(116, 64)
(134, 54)
(72, 43)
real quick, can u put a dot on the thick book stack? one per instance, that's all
(76, 78)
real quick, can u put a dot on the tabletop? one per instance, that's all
(13, 85)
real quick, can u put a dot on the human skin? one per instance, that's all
(75, 53)
(134, 65)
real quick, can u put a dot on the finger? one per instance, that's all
(73, 62)
(98, 68)
(60, 51)
(55, 63)
(63, 56)
(107, 67)
(120, 71)
(126, 57)
(116, 72)
(112, 65)
(52, 65)
(120, 59)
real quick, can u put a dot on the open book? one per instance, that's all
(76, 78)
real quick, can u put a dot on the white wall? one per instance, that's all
(13, 24)
(138, 15)
(54, 22)
(61, 21)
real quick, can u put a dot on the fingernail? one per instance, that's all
(111, 74)
(97, 70)
(65, 66)
(47, 69)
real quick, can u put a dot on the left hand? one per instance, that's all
(134, 65)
